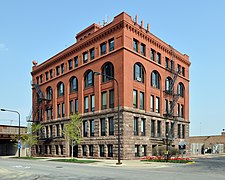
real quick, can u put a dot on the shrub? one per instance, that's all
(160, 151)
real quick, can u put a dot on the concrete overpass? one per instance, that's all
(8, 147)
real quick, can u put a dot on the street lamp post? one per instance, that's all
(19, 143)
(118, 93)
(167, 149)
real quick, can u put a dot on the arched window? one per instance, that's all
(168, 85)
(180, 89)
(60, 89)
(139, 72)
(73, 84)
(108, 70)
(88, 79)
(155, 80)
(49, 93)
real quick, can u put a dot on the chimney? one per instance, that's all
(136, 19)
(142, 23)
(148, 27)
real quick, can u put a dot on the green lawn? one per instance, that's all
(74, 160)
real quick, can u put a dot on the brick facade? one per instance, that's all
(123, 49)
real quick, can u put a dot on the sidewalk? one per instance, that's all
(111, 163)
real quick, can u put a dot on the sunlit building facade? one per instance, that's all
(153, 83)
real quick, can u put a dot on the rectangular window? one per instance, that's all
(46, 76)
(102, 121)
(57, 130)
(183, 71)
(183, 131)
(166, 106)
(143, 150)
(178, 68)
(172, 65)
(85, 57)
(85, 128)
(111, 98)
(37, 80)
(103, 48)
(111, 44)
(70, 64)
(86, 104)
(62, 129)
(101, 147)
(142, 100)
(135, 100)
(157, 105)
(167, 128)
(62, 68)
(135, 45)
(178, 131)
(110, 150)
(158, 58)
(41, 79)
(104, 105)
(111, 126)
(136, 151)
(58, 111)
(135, 126)
(76, 105)
(143, 49)
(92, 127)
(57, 70)
(152, 103)
(46, 149)
(142, 126)
(159, 128)
(167, 62)
(92, 103)
(49, 113)
(182, 111)
(46, 132)
(152, 128)
(56, 149)
(71, 107)
(76, 61)
(172, 129)
(92, 53)
(91, 150)
(84, 150)
(152, 54)
(50, 127)
(178, 109)
(63, 110)
(51, 74)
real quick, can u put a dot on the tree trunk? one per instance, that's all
(72, 150)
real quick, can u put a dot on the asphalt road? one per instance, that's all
(206, 169)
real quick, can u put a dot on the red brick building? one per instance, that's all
(153, 82)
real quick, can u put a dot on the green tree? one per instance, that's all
(72, 130)
(31, 138)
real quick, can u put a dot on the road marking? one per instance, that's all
(19, 166)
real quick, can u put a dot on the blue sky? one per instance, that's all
(39, 29)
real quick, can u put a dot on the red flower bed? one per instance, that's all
(163, 159)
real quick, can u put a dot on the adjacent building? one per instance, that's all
(214, 144)
(8, 146)
(153, 86)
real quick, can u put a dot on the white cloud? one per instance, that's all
(3, 47)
